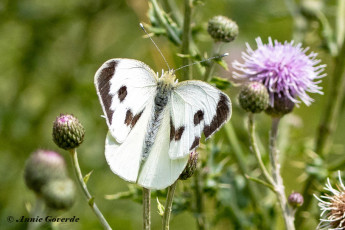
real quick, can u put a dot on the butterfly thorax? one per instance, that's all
(165, 85)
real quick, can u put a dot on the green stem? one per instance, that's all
(255, 149)
(186, 38)
(146, 209)
(210, 68)
(200, 217)
(38, 210)
(340, 25)
(300, 23)
(287, 212)
(168, 205)
(327, 125)
(163, 21)
(83, 186)
(241, 162)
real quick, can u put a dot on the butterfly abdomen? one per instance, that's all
(161, 100)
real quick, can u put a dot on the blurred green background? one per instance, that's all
(49, 52)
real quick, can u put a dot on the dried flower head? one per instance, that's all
(332, 207)
(285, 70)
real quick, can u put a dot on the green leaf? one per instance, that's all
(91, 201)
(221, 83)
(160, 208)
(222, 63)
(87, 176)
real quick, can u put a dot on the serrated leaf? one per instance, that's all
(87, 176)
(223, 64)
(91, 201)
(221, 83)
(160, 208)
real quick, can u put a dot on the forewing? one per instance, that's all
(124, 88)
(159, 170)
(196, 108)
(124, 158)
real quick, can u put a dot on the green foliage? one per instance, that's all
(50, 51)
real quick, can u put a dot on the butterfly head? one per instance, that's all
(168, 78)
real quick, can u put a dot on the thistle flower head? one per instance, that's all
(253, 97)
(59, 194)
(222, 29)
(295, 199)
(285, 69)
(190, 167)
(42, 167)
(68, 132)
(332, 206)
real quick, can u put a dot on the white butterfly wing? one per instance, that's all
(159, 170)
(124, 159)
(124, 87)
(196, 108)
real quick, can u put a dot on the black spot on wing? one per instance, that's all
(175, 134)
(103, 83)
(135, 119)
(222, 114)
(129, 117)
(178, 133)
(172, 130)
(195, 143)
(122, 93)
(198, 117)
(131, 120)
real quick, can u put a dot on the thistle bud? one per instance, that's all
(295, 199)
(68, 132)
(282, 105)
(222, 29)
(190, 167)
(59, 194)
(254, 97)
(43, 166)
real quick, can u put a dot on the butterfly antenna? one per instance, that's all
(143, 28)
(215, 57)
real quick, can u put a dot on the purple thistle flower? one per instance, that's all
(285, 69)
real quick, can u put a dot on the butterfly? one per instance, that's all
(155, 122)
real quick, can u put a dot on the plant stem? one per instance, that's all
(146, 209)
(328, 124)
(83, 186)
(210, 68)
(38, 210)
(186, 36)
(199, 203)
(241, 162)
(168, 206)
(287, 212)
(164, 22)
(255, 149)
